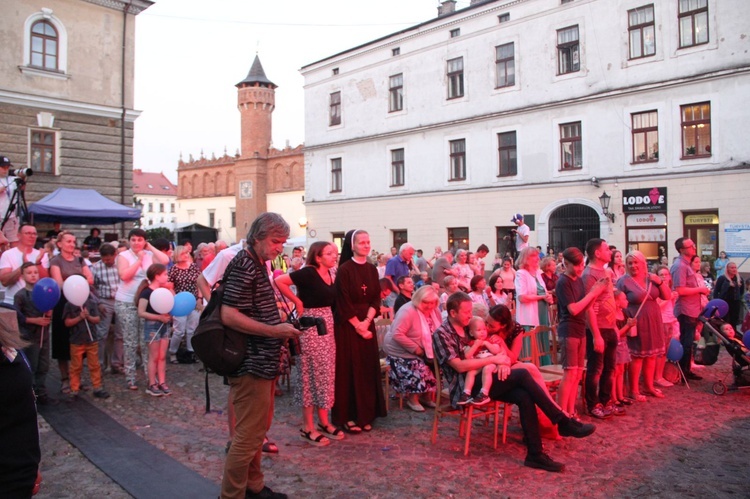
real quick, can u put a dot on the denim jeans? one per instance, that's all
(600, 368)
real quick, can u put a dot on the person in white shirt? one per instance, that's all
(11, 261)
(522, 232)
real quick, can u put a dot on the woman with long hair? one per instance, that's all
(184, 275)
(315, 367)
(359, 393)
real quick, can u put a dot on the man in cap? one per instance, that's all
(522, 232)
(8, 187)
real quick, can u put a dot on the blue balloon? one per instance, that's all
(46, 294)
(715, 308)
(674, 352)
(746, 339)
(184, 303)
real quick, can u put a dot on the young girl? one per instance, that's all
(155, 330)
(451, 286)
(479, 348)
(671, 326)
(625, 325)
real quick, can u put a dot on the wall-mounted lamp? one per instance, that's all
(604, 202)
(594, 181)
(302, 222)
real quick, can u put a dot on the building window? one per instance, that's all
(458, 159)
(397, 167)
(151, 207)
(335, 71)
(44, 45)
(43, 145)
(696, 130)
(506, 147)
(161, 207)
(233, 219)
(456, 78)
(171, 208)
(505, 65)
(693, 19)
(642, 32)
(568, 59)
(455, 32)
(335, 117)
(645, 137)
(571, 151)
(503, 18)
(396, 51)
(458, 238)
(211, 218)
(336, 175)
(396, 93)
(400, 237)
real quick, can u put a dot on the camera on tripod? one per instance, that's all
(21, 174)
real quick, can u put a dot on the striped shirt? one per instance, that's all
(248, 289)
(106, 280)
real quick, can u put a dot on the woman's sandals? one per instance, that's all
(319, 441)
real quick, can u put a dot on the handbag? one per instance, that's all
(220, 348)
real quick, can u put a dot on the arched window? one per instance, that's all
(44, 45)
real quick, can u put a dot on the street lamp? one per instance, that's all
(604, 202)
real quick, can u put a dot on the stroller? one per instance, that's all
(725, 335)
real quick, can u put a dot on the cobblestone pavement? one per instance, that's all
(690, 444)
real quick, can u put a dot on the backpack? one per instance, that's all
(220, 348)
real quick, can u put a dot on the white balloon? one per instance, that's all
(76, 290)
(162, 300)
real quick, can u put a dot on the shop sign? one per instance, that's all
(647, 220)
(708, 219)
(644, 200)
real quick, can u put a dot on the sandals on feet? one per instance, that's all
(270, 447)
(639, 398)
(319, 441)
(331, 432)
(351, 427)
(65, 387)
(656, 393)
(367, 427)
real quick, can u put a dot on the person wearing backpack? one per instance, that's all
(249, 306)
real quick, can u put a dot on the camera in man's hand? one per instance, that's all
(317, 322)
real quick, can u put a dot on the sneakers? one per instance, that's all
(265, 493)
(542, 461)
(101, 394)
(165, 389)
(464, 399)
(569, 427)
(72, 396)
(599, 412)
(154, 391)
(481, 399)
(615, 410)
(692, 376)
(663, 383)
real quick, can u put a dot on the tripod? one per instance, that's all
(17, 200)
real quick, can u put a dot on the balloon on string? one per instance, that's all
(76, 290)
(162, 300)
(184, 303)
(46, 294)
(715, 307)
(746, 339)
(674, 352)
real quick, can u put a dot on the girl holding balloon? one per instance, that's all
(154, 303)
(61, 267)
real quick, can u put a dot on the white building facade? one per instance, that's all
(438, 134)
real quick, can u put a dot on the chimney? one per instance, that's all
(446, 7)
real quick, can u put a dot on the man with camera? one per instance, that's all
(249, 306)
(8, 187)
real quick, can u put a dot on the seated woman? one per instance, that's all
(408, 347)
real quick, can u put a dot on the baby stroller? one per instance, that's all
(726, 336)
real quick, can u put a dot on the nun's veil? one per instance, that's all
(346, 248)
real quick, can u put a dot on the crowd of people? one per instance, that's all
(612, 316)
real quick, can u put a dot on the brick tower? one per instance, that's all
(256, 102)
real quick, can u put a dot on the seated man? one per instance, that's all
(514, 386)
